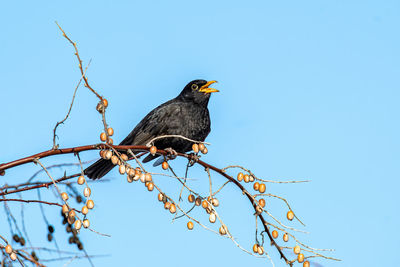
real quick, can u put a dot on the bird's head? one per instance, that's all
(198, 91)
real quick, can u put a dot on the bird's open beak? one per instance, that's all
(205, 88)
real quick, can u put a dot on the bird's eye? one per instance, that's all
(195, 86)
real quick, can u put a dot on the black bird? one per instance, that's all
(186, 115)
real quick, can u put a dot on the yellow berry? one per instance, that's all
(86, 223)
(204, 151)
(153, 150)
(65, 208)
(172, 208)
(114, 159)
(191, 198)
(105, 102)
(300, 257)
(164, 165)
(256, 186)
(204, 204)
(215, 202)
(13, 256)
(150, 186)
(81, 180)
(8, 249)
(78, 224)
(240, 176)
(222, 230)
(110, 131)
(290, 215)
(122, 169)
(261, 188)
(64, 196)
(260, 250)
(85, 210)
(124, 157)
(108, 154)
(285, 237)
(261, 202)
(274, 234)
(201, 147)
(87, 192)
(296, 249)
(306, 264)
(190, 225)
(167, 205)
(148, 177)
(160, 196)
(90, 204)
(255, 248)
(212, 218)
(246, 178)
(198, 201)
(103, 137)
(195, 148)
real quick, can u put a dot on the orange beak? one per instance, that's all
(205, 88)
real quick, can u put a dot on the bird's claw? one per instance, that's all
(193, 158)
(172, 154)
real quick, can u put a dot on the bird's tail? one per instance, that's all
(99, 169)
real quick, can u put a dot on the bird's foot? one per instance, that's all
(171, 153)
(193, 158)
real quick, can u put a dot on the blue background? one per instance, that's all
(309, 90)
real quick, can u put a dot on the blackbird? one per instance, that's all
(186, 115)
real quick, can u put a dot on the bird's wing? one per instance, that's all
(158, 122)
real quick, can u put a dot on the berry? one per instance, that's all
(85, 210)
(191, 198)
(274, 234)
(110, 131)
(246, 178)
(90, 204)
(201, 147)
(150, 186)
(296, 249)
(64, 196)
(103, 137)
(190, 225)
(87, 192)
(262, 188)
(215, 202)
(86, 223)
(81, 180)
(172, 208)
(105, 102)
(285, 237)
(255, 248)
(290, 215)
(256, 186)
(195, 148)
(153, 150)
(204, 204)
(240, 176)
(122, 169)
(300, 257)
(8, 249)
(306, 264)
(160, 196)
(114, 159)
(164, 165)
(212, 218)
(222, 230)
(78, 224)
(198, 201)
(261, 202)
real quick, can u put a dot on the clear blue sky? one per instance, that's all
(309, 90)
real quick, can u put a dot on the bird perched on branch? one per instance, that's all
(186, 115)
